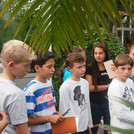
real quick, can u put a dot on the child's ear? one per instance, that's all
(69, 69)
(36, 67)
(10, 64)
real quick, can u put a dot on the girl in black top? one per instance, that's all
(99, 81)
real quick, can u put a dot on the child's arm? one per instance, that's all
(49, 118)
(91, 86)
(3, 121)
(22, 129)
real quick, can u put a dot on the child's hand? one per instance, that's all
(3, 121)
(56, 118)
(3, 118)
(112, 67)
(58, 113)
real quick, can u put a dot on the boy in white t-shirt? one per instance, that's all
(121, 87)
(16, 59)
(74, 93)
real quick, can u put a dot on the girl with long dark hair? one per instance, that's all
(99, 81)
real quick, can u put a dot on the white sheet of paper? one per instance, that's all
(111, 73)
(77, 123)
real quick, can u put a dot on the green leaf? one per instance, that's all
(107, 10)
(127, 7)
(28, 13)
(113, 7)
(96, 8)
(132, 2)
(41, 14)
(82, 15)
(40, 29)
(76, 26)
(17, 8)
(122, 131)
(6, 6)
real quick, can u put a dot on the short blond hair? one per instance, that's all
(17, 51)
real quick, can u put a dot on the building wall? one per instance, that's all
(21, 83)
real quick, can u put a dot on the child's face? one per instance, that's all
(123, 72)
(78, 70)
(47, 70)
(19, 70)
(132, 54)
(99, 54)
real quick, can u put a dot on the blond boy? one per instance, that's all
(16, 59)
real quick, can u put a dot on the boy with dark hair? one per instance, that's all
(40, 96)
(16, 59)
(74, 93)
(122, 87)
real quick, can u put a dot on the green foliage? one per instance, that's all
(61, 22)
(121, 131)
(7, 34)
(115, 48)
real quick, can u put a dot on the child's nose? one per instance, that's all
(53, 69)
(127, 71)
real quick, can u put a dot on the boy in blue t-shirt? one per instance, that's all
(40, 96)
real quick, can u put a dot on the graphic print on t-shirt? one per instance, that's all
(79, 97)
(128, 94)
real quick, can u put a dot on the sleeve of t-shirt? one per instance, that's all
(63, 99)
(17, 111)
(30, 101)
(88, 70)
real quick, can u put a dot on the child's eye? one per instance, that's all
(123, 68)
(49, 66)
(129, 68)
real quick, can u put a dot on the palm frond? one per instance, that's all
(18, 7)
(61, 22)
(5, 7)
(115, 129)
(125, 102)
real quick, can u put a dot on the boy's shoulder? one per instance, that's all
(10, 92)
(68, 82)
(130, 80)
(117, 82)
(9, 86)
(84, 80)
(34, 85)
